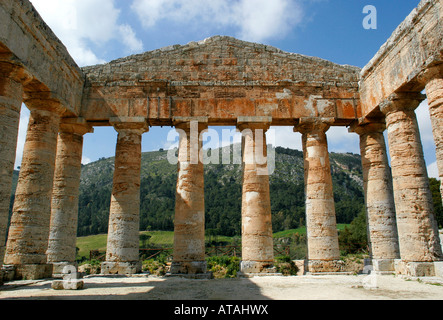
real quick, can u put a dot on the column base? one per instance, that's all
(7, 273)
(325, 266)
(251, 268)
(27, 272)
(419, 269)
(188, 268)
(380, 266)
(124, 268)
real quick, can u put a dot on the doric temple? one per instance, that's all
(220, 81)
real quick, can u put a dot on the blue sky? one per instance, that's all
(98, 31)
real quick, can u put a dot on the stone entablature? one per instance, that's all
(27, 42)
(221, 78)
(415, 45)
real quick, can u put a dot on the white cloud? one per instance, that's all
(433, 171)
(86, 160)
(253, 20)
(129, 38)
(342, 141)
(284, 137)
(79, 23)
(264, 19)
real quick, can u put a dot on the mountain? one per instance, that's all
(222, 192)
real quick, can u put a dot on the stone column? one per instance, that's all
(29, 229)
(122, 254)
(64, 211)
(189, 223)
(434, 92)
(257, 241)
(323, 247)
(11, 96)
(417, 227)
(380, 206)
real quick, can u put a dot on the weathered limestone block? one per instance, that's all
(122, 253)
(74, 284)
(416, 269)
(29, 229)
(64, 212)
(189, 222)
(380, 206)
(417, 226)
(323, 248)
(257, 242)
(11, 95)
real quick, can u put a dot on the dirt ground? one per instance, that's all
(310, 287)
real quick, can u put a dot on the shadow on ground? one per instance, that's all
(140, 288)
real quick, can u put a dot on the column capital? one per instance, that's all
(402, 101)
(307, 125)
(255, 123)
(365, 128)
(44, 104)
(77, 126)
(133, 124)
(188, 123)
(430, 73)
(14, 72)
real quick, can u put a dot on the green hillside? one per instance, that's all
(222, 192)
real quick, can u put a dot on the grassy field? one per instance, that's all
(302, 230)
(165, 239)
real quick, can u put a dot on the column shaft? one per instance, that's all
(64, 212)
(189, 223)
(321, 224)
(257, 241)
(434, 92)
(380, 206)
(29, 229)
(122, 254)
(11, 94)
(417, 228)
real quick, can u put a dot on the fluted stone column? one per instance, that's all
(29, 229)
(434, 93)
(64, 212)
(321, 224)
(257, 241)
(380, 206)
(11, 96)
(122, 253)
(417, 227)
(189, 222)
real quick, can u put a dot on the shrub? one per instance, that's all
(154, 267)
(354, 239)
(285, 266)
(223, 267)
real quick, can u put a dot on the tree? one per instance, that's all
(144, 238)
(354, 239)
(436, 198)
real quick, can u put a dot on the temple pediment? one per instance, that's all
(221, 78)
(220, 60)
